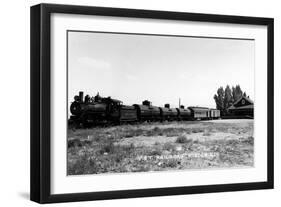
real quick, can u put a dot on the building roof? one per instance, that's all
(241, 107)
(242, 103)
(243, 97)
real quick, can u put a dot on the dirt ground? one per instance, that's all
(161, 146)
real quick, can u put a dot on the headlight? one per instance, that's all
(75, 108)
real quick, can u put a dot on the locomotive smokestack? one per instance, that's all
(81, 96)
(179, 102)
(146, 103)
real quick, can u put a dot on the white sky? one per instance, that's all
(162, 69)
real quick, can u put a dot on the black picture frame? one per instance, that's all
(40, 102)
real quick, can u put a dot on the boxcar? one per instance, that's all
(215, 113)
(199, 112)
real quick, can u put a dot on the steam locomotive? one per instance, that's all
(92, 110)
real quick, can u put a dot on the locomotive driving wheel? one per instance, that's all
(87, 120)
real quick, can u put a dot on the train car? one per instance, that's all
(168, 113)
(121, 113)
(199, 113)
(214, 113)
(87, 111)
(147, 112)
(95, 110)
(184, 113)
(127, 114)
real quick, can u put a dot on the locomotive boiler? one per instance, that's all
(91, 110)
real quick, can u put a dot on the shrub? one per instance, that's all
(74, 143)
(129, 147)
(156, 129)
(182, 139)
(168, 146)
(207, 133)
(232, 142)
(83, 165)
(197, 130)
(196, 141)
(157, 143)
(129, 134)
(108, 148)
(248, 140)
(172, 163)
(156, 152)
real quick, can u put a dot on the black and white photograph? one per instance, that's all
(140, 103)
(129, 103)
